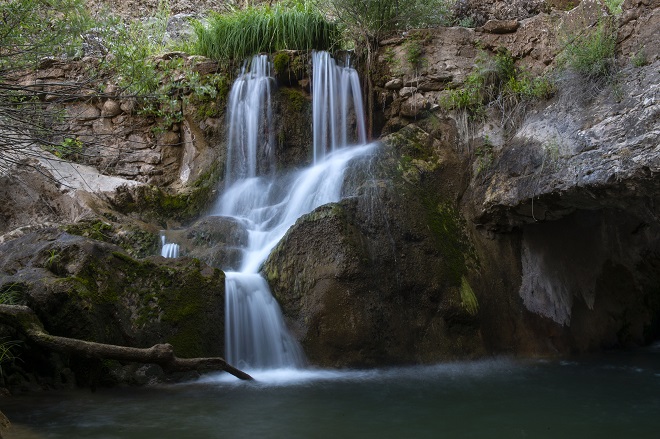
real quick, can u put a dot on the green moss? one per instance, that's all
(154, 204)
(99, 230)
(412, 142)
(281, 62)
(451, 238)
(468, 299)
(295, 100)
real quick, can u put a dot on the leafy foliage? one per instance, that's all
(33, 32)
(242, 33)
(34, 29)
(373, 19)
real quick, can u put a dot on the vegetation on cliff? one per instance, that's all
(242, 33)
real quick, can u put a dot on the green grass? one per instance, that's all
(243, 33)
(591, 53)
(614, 6)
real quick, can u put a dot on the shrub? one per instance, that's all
(614, 6)
(591, 52)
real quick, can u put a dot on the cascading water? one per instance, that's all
(336, 90)
(256, 336)
(168, 249)
(250, 136)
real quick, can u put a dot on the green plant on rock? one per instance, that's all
(466, 22)
(591, 52)
(393, 62)
(7, 353)
(242, 33)
(496, 82)
(414, 54)
(639, 59)
(614, 6)
(53, 258)
(10, 294)
(468, 299)
(69, 148)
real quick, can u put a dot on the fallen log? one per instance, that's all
(27, 322)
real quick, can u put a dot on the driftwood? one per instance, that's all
(26, 321)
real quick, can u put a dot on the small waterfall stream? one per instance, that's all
(268, 204)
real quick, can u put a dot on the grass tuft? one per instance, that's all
(243, 33)
(591, 53)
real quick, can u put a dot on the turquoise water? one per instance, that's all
(612, 396)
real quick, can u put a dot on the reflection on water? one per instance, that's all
(613, 396)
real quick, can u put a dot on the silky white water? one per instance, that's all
(268, 204)
(337, 95)
(250, 135)
(168, 249)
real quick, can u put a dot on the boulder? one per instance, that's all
(91, 290)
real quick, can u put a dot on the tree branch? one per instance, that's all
(26, 321)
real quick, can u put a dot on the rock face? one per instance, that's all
(91, 290)
(216, 240)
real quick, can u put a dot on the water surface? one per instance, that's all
(612, 396)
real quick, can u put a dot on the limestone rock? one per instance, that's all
(111, 108)
(394, 84)
(500, 26)
(414, 105)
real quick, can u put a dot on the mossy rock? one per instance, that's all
(152, 203)
(92, 290)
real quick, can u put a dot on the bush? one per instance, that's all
(253, 30)
(591, 53)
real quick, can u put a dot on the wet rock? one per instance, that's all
(216, 240)
(376, 279)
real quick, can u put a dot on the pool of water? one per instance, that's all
(615, 395)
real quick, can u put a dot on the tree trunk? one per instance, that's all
(26, 321)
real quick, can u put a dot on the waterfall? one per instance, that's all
(250, 136)
(168, 249)
(268, 204)
(336, 90)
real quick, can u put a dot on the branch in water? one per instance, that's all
(25, 320)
